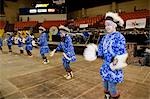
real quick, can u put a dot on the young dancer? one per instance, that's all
(10, 41)
(20, 42)
(68, 50)
(28, 42)
(43, 43)
(111, 45)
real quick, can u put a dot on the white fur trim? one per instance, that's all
(121, 62)
(64, 28)
(115, 17)
(41, 27)
(90, 52)
(27, 32)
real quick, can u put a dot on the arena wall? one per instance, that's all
(43, 17)
(128, 6)
(11, 9)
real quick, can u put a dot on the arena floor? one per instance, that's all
(22, 77)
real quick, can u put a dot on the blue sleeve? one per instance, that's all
(28, 40)
(59, 47)
(10, 39)
(69, 43)
(69, 49)
(42, 39)
(119, 45)
(100, 47)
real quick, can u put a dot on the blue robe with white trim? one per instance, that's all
(67, 47)
(20, 41)
(112, 44)
(43, 43)
(10, 41)
(28, 43)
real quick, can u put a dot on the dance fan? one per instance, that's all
(90, 52)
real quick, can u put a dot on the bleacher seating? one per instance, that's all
(21, 25)
(131, 15)
(89, 20)
(2, 24)
(48, 24)
(135, 15)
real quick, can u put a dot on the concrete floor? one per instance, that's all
(22, 77)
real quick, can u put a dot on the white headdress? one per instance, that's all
(42, 28)
(27, 32)
(115, 18)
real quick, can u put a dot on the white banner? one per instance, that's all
(83, 25)
(136, 23)
(58, 1)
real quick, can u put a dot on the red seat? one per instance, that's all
(48, 24)
(2, 24)
(21, 25)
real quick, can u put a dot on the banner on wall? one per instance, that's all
(136, 23)
(83, 25)
(59, 1)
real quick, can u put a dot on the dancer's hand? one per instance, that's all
(66, 57)
(115, 61)
(52, 53)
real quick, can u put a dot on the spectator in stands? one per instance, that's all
(1, 44)
(112, 44)
(28, 42)
(43, 43)
(20, 42)
(68, 51)
(10, 41)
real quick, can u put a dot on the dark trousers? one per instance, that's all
(29, 53)
(67, 66)
(1, 48)
(9, 47)
(21, 51)
(44, 57)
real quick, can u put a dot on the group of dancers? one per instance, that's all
(65, 45)
(112, 45)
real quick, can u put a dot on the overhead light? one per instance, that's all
(42, 10)
(51, 10)
(41, 5)
(58, 1)
(32, 11)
